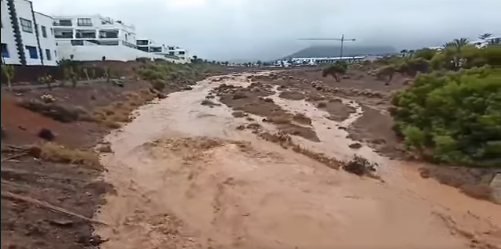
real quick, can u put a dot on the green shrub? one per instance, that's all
(456, 115)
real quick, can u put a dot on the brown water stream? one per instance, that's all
(187, 178)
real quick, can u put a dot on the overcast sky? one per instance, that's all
(269, 29)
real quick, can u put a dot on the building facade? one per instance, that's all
(96, 29)
(26, 35)
(176, 54)
(32, 38)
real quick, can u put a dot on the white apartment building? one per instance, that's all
(176, 54)
(95, 37)
(27, 37)
(76, 30)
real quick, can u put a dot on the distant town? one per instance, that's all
(33, 38)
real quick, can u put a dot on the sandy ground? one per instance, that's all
(188, 176)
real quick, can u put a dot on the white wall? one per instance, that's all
(8, 36)
(48, 43)
(96, 53)
(23, 9)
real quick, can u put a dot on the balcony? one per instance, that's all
(63, 23)
(63, 35)
(85, 34)
(106, 34)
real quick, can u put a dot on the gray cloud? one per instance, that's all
(259, 29)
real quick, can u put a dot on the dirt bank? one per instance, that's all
(186, 177)
(72, 187)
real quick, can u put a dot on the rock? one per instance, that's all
(62, 222)
(342, 128)
(187, 88)
(94, 240)
(104, 148)
(268, 100)
(355, 145)
(161, 96)
(241, 127)
(239, 95)
(321, 105)
(46, 134)
(117, 82)
(424, 172)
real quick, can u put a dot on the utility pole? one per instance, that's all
(342, 40)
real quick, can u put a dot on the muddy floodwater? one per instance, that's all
(185, 177)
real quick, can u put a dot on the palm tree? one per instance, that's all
(411, 53)
(484, 36)
(403, 52)
(460, 43)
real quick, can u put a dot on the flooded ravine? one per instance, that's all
(185, 177)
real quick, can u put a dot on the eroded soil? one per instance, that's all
(193, 175)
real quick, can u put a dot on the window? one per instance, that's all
(55, 53)
(26, 25)
(44, 31)
(52, 31)
(84, 22)
(142, 42)
(77, 42)
(181, 52)
(32, 51)
(48, 55)
(5, 51)
(171, 53)
(64, 22)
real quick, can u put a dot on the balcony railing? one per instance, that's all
(63, 23)
(64, 36)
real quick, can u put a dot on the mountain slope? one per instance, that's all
(333, 51)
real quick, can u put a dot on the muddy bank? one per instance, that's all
(187, 177)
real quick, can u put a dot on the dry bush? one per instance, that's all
(239, 114)
(56, 111)
(284, 140)
(359, 166)
(60, 154)
(319, 157)
(113, 115)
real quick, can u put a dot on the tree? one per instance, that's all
(8, 71)
(194, 59)
(411, 53)
(335, 70)
(386, 72)
(425, 53)
(403, 52)
(484, 36)
(460, 43)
